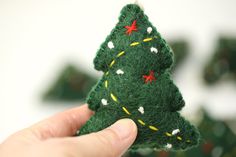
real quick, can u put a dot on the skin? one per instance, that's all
(53, 137)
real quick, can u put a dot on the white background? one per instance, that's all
(37, 38)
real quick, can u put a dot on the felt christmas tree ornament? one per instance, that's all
(222, 62)
(136, 84)
(181, 50)
(72, 85)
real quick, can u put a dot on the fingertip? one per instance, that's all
(125, 129)
(112, 141)
(62, 124)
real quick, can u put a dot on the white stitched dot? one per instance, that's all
(168, 145)
(110, 44)
(120, 72)
(149, 30)
(104, 102)
(217, 151)
(176, 131)
(153, 49)
(141, 109)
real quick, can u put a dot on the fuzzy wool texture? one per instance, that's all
(159, 98)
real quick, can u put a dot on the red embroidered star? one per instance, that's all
(150, 77)
(131, 28)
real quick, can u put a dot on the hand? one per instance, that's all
(53, 138)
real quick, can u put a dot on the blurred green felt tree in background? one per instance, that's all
(71, 85)
(223, 61)
(181, 51)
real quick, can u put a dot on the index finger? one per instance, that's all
(62, 124)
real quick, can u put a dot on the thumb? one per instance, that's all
(110, 142)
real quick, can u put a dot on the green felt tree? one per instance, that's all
(136, 84)
(223, 61)
(71, 85)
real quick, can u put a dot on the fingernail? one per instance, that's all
(124, 128)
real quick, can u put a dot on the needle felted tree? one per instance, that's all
(222, 62)
(136, 84)
(181, 51)
(72, 85)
